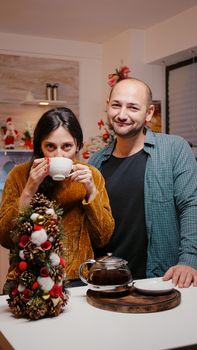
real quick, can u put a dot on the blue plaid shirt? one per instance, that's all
(170, 195)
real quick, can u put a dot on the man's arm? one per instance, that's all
(185, 193)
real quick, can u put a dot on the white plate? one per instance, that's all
(153, 286)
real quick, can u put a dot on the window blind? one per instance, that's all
(182, 101)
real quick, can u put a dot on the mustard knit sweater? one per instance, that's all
(86, 225)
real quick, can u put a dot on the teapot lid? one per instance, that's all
(111, 260)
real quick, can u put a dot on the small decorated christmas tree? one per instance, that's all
(39, 284)
(94, 144)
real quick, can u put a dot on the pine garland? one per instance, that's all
(38, 287)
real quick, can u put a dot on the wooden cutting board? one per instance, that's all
(134, 301)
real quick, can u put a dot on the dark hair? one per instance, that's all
(52, 120)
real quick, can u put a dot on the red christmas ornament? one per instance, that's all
(44, 272)
(37, 227)
(26, 294)
(85, 155)
(23, 241)
(35, 285)
(56, 291)
(105, 136)
(14, 292)
(62, 262)
(22, 266)
(100, 123)
(46, 245)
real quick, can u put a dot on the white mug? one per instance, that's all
(59, 167)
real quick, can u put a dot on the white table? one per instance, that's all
(82, 326)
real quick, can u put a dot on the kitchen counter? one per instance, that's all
(82, 326)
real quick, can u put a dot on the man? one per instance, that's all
(151, 181)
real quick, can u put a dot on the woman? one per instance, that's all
(87, 218)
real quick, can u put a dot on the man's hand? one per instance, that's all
(182, 276)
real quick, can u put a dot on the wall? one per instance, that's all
(172, 37)
(116, 52)
(89, 57)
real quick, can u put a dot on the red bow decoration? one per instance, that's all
(120, 74)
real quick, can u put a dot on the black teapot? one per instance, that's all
(106, 274)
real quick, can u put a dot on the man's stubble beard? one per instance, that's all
(130, 133)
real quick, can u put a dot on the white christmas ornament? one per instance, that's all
(46, 283)
(21, 254)
(39, 237)
(50, 211)
(21, 288)
(34, 216)
(54, 259)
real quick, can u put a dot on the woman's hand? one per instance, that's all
(39, 170)
(83, 174)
